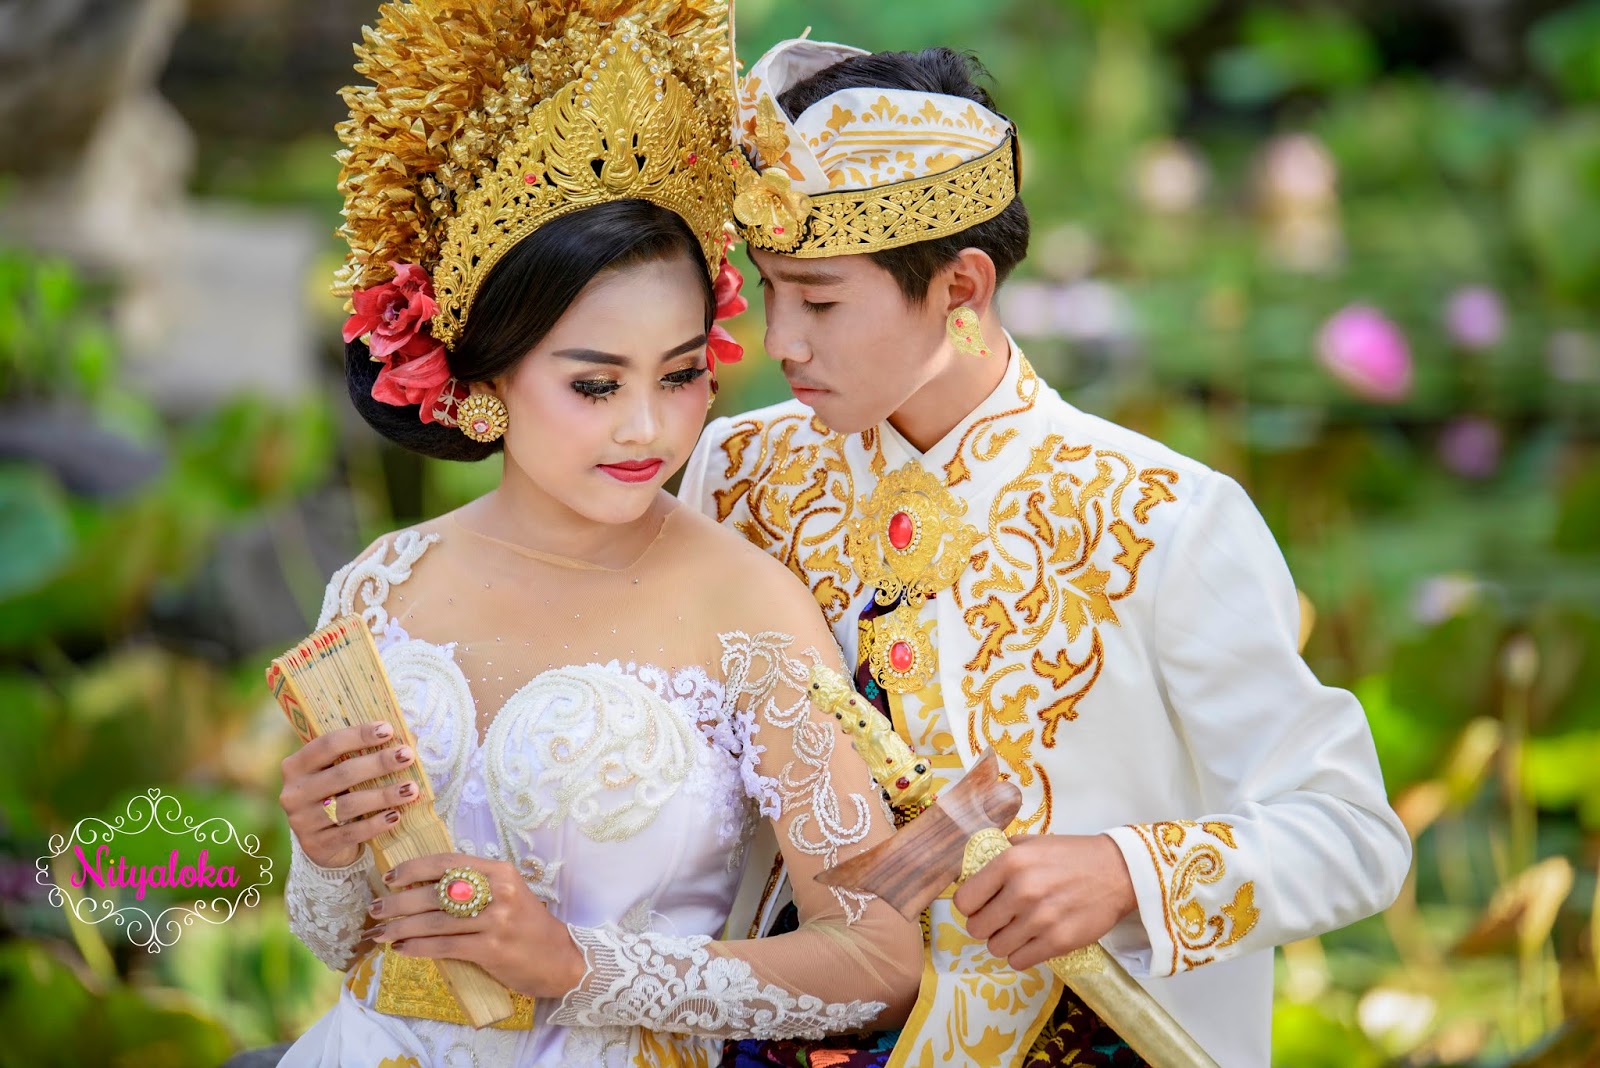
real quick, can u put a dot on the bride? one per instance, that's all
(607, 690)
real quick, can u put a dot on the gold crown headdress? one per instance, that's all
(863, 170)
(486, 119)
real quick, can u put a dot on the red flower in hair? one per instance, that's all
(394, 313)
(395, 317)
(730, 302)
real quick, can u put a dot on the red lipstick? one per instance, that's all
(632, 471)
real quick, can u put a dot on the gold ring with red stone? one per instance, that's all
(464, 892)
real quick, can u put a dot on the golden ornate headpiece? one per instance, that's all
(486, 119)
(862, 170)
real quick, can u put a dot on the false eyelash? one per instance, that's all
(678, 379)
(596, 389)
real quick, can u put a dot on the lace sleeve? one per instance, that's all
(327, 906)
(852, 964)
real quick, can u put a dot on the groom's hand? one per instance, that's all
(1046, 896)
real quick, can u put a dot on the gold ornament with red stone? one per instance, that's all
(902, 656)
(907, 538)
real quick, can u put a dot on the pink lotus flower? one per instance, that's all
(1366, 351)
(1475, 318)
(1470, 447)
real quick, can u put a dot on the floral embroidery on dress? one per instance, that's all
(775, 687)
(371, 577)
(590, 747)
(668, 983)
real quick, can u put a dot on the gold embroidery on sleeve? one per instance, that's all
(1185, 862)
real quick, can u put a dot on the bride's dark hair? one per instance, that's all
(521, 300)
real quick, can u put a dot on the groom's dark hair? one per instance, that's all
(933, 70)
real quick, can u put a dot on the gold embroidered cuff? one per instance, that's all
(1198, 911)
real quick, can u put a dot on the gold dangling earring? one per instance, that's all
(482, 417)
(966, 334)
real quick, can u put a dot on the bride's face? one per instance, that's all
(610, 403)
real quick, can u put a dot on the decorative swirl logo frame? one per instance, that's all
(155, 810)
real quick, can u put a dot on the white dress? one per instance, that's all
(627, 793)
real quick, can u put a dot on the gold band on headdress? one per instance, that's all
(487, 119)
(863, 169)
(773, 218)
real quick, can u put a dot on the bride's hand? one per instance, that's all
(514, 938)
(328, 814)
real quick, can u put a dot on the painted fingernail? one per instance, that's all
(391, 817)
(376, 908)
(403, 754)
(388, 876)
(382, 731)
(408, 789)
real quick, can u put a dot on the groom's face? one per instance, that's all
(853, 348)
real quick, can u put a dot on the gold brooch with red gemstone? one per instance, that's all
(907, 538)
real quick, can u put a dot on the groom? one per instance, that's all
(1114, 619)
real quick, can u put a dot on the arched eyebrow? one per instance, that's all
(611, 359)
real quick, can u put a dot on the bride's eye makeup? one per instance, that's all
(598, 389)
(678, 379)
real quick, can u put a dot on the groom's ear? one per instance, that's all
(968, 281)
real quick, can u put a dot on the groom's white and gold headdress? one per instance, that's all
(862, 170)
(486, 119)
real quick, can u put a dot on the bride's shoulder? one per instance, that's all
(363, 585)
(765, 590)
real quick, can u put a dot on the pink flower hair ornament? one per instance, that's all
(394, 317)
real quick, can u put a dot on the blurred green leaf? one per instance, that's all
(1559, 773)
(1555, 200)
(1283, 50)
(1303, 1036)
(1565, 45)
(1578, 523)
(1409, 747)
(36, 536)
(1443, 676)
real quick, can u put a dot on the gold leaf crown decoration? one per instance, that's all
(863, 169)
(486, 119)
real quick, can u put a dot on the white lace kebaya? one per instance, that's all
(619, 736)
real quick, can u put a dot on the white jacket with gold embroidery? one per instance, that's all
(1124, 632)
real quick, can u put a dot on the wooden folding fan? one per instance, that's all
(335, 679)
